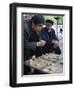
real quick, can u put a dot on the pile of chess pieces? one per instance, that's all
(49, 63)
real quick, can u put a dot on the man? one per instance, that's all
(32, 41)
(48, 34)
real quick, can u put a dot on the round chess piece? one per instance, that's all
(33, 57)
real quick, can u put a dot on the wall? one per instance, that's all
(4, 43)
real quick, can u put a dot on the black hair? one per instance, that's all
(38, 19)
(49, 21)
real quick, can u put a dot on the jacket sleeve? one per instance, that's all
(27, 43)
(45, 37)
(54, 36)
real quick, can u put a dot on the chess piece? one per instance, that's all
(33, 57)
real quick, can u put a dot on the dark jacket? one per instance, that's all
(30, 39)
(48, 37)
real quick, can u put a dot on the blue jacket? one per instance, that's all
(48, 37)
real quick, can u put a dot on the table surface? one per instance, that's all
(48, 63)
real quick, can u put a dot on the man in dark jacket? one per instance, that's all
(32, 41)
(52, 42)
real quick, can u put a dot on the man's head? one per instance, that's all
(37, 22)
(49, 24)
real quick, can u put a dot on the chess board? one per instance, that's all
(48, 63)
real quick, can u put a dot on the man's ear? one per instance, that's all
(33, 25)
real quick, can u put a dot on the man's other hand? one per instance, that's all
(41, 43)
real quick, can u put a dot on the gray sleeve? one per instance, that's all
(27, 43)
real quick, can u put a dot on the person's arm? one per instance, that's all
(32, 45)
(45, 37)
(54, 36)
(27, 43)
(55, 40)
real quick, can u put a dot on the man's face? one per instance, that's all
(37, 27)
(49, 25)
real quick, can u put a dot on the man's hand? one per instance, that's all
(41, 43)
(56, 43)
